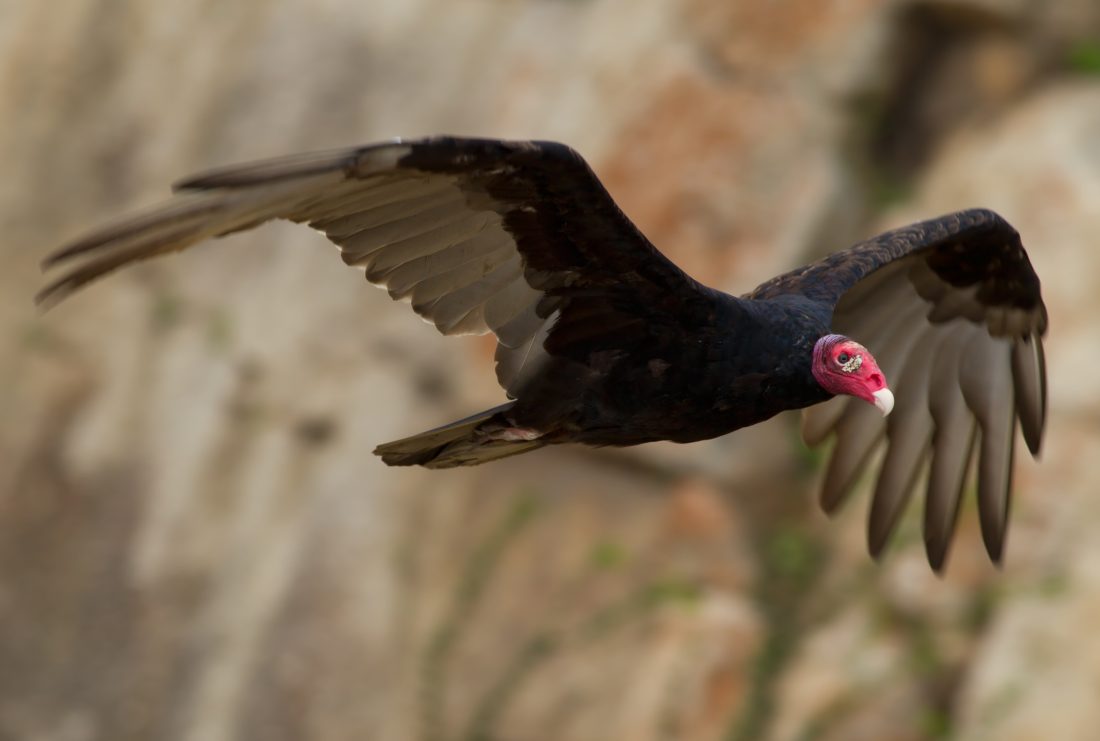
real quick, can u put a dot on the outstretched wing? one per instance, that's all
(951, 309)
(516, 238)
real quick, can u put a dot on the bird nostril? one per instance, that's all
(876, 381)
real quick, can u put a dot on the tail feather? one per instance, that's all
(454, 444)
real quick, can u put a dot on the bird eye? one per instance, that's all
(843, 358)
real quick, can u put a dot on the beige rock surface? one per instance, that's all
(195, 542)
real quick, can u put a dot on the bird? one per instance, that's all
(603, 341)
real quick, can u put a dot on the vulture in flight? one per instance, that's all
(602, 340)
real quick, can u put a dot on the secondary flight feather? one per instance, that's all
(602, 340)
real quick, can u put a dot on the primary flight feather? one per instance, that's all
(603, 341)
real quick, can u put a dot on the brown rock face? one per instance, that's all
(195, 542)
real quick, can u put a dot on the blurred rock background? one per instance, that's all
(195, 542)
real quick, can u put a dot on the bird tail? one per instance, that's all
(456, 444)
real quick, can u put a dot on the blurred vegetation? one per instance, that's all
(1084, 57)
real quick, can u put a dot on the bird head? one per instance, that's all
(843, 366)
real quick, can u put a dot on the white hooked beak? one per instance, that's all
(884, 400)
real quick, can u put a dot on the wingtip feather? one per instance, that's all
(1029, 382)
(937, 551)
(50, 296)
(349, 161)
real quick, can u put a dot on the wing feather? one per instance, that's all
(479, 253)
(977, 371)
(446, 305)
(397, 220)
(481, 235)
(952, 442)
(861, 423)
(986, 382)
(857, 433)
(1029, 377)
(516, 301)
(515, 365)
(908, 432)
(431, 285)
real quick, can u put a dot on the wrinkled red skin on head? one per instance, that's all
(861, 383)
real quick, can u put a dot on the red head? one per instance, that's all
(843, 366)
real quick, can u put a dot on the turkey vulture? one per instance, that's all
(603, 341)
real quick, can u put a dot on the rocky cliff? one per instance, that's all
(195, 542)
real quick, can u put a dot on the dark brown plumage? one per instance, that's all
(602, 340)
